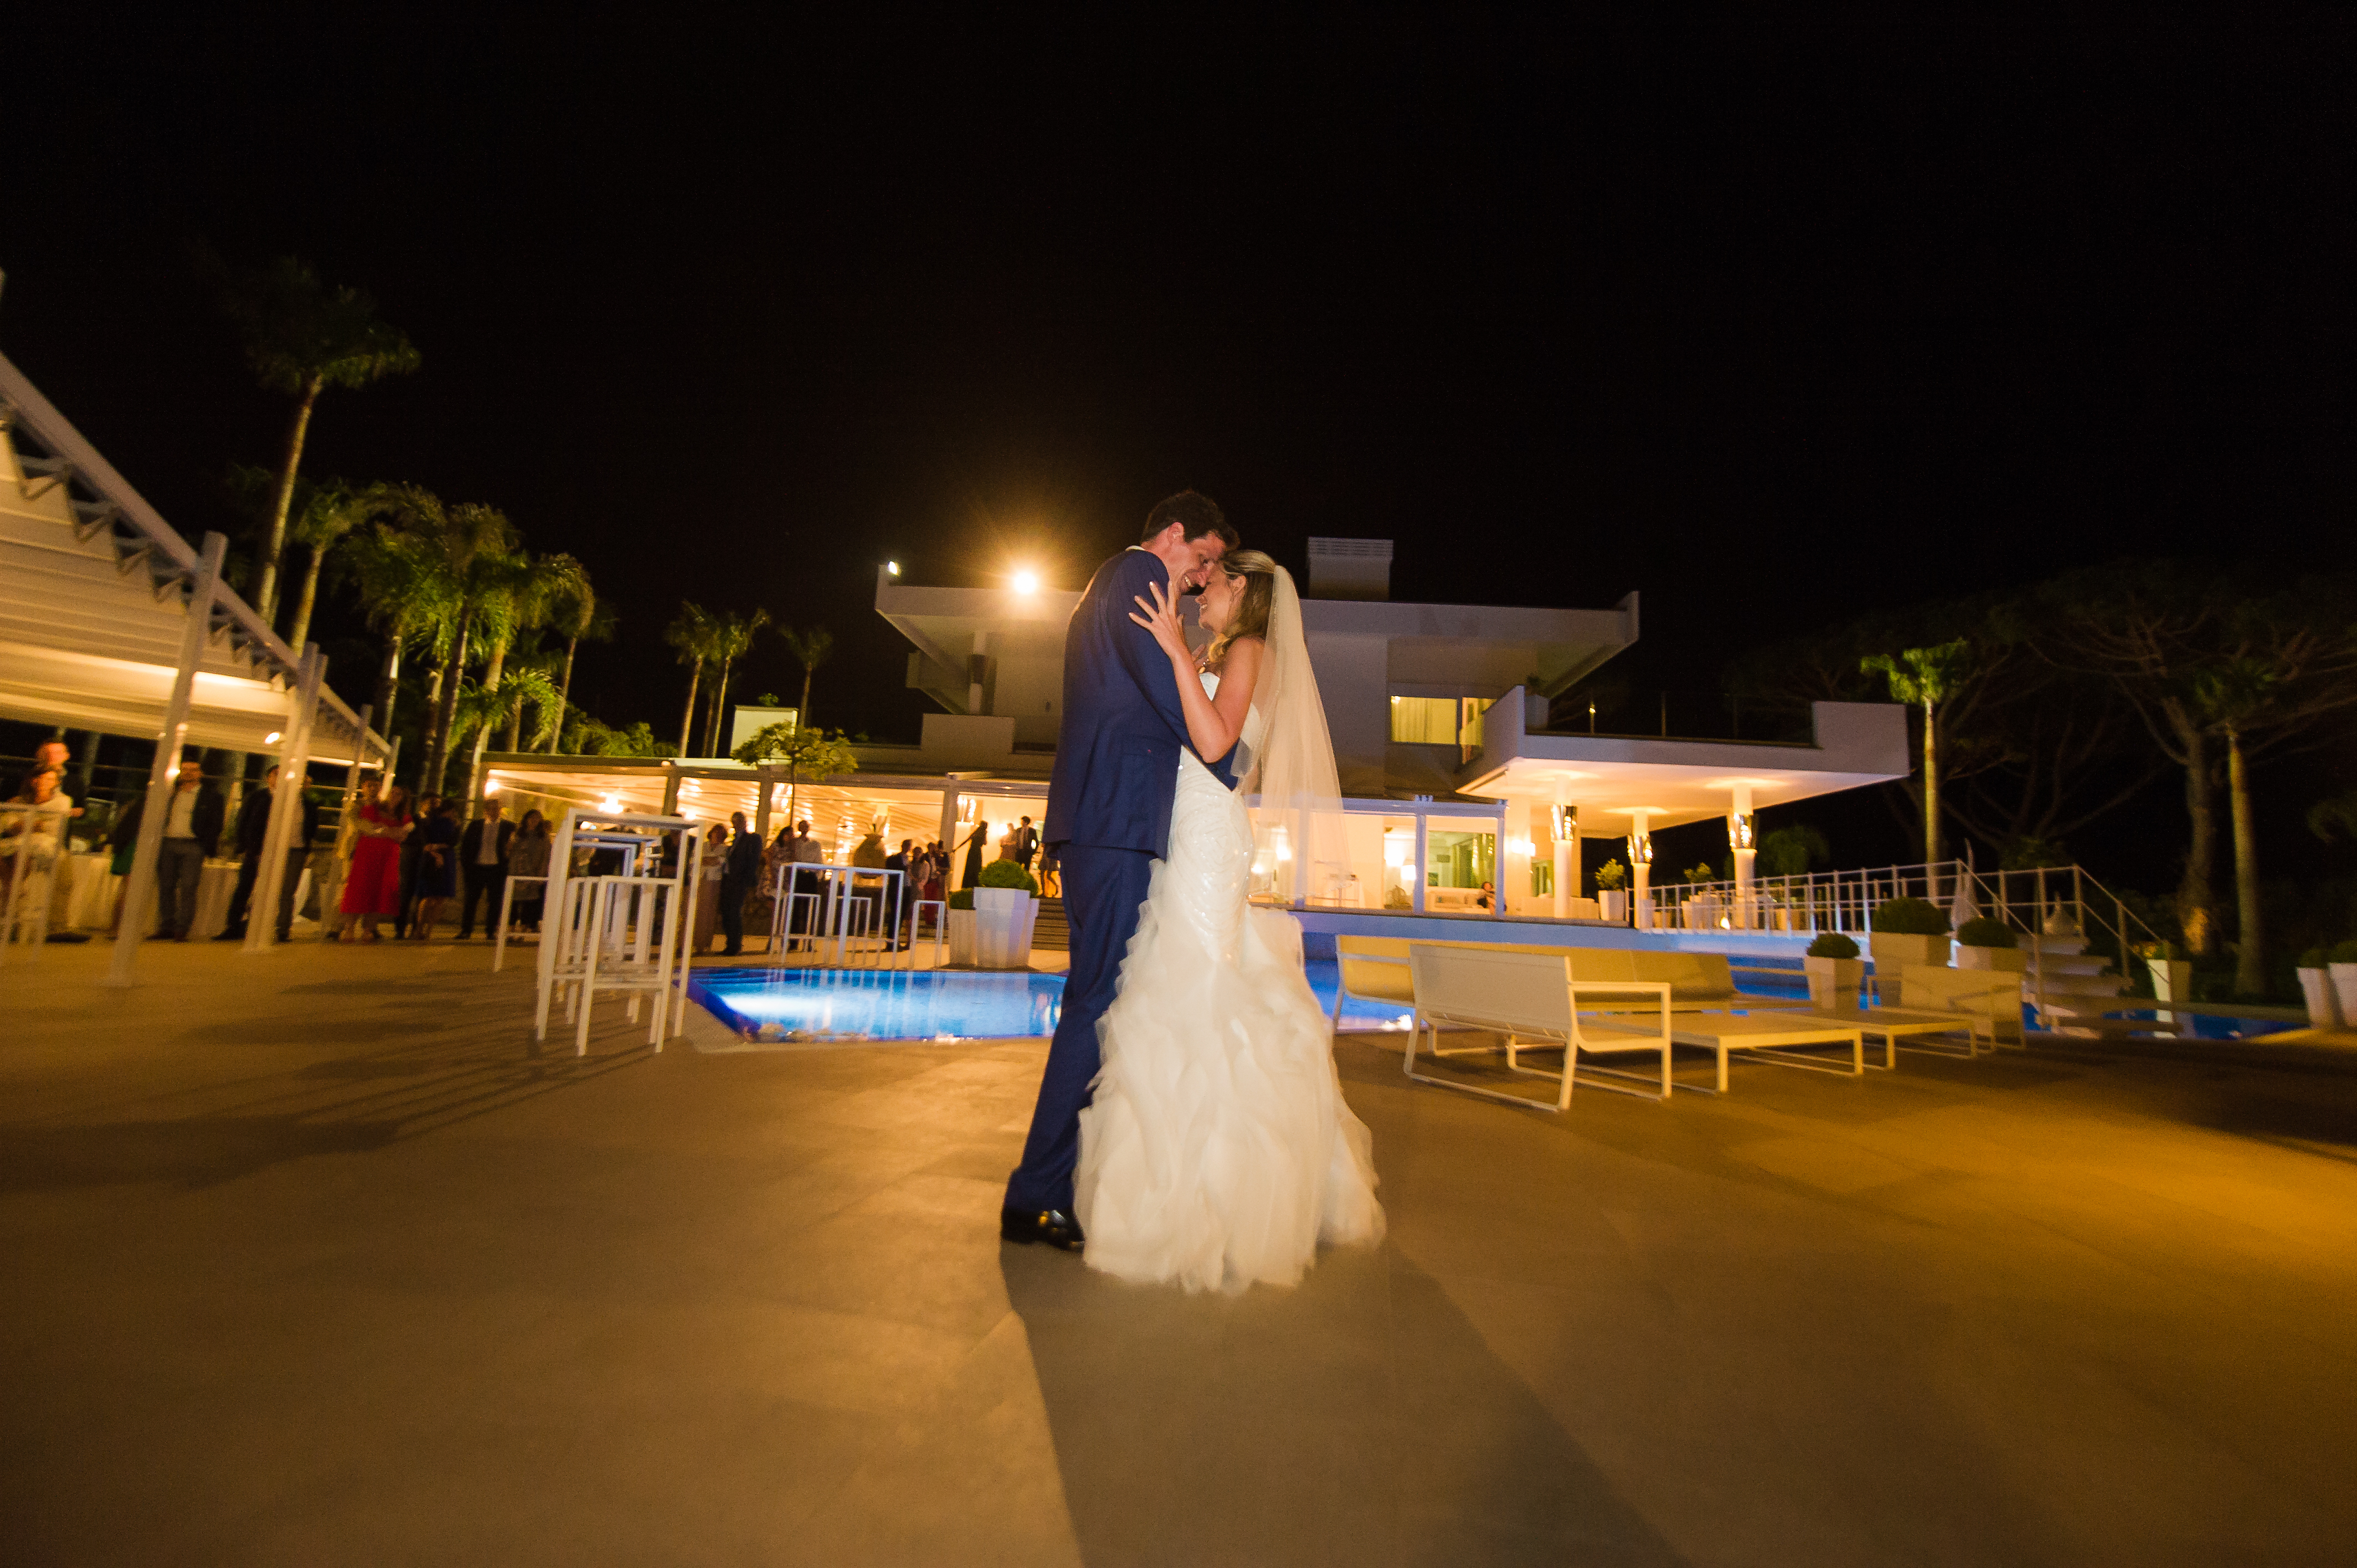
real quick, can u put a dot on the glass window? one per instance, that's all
(1425, 721)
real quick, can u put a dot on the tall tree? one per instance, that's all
(391, 565)
(2226, 668)
(514, 597)
(732, 638)
(302, 337)
(691, 632)
(575, 614)
(327, 514)
(811, 649)
(1926, 677)
(473, 553)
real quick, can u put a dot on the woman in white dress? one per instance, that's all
(1218, 1151)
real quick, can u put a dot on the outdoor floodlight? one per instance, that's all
(1027, 582)
(893, 568)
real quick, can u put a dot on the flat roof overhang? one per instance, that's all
(1611, 777)
(709, 792)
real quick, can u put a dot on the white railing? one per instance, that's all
(2051, 898)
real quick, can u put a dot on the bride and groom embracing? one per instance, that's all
(1190, 1126)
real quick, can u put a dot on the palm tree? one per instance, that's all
(575, 614)
(811, 649)
(326, 516)
(1929, 676)
(691, 633)
(732, 638)
(473, 553)
(391, 562)
(303, 337)
(516, 594)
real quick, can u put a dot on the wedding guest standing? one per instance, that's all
(483, 852)
(528, 856)
(436, 839)
(192, 830)
(974, 853)
(1027, 844)
(252, 827)
(739, 871)
(373, 885)
(412, 853)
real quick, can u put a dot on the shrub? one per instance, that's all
(1833, 944)
(2314, 958)
(1910, 918)
(1984, 932)
(1007, 874)
(2344, 952)
(1610, 874)
(962, 899)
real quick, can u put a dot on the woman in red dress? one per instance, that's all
(373, 885)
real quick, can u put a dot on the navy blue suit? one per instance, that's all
(1109, 816)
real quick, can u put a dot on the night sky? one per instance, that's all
(1768, 322)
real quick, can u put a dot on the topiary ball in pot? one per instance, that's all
(1007, 874)
(962, 899)
(1910, 918)
(1984, 932)
(1833, 944)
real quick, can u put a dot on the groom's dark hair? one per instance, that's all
(1196, 514)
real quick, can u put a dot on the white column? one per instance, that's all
(1640, 870)
(139, 888)
(1422, 848)
(1739, 838)
(287, 802)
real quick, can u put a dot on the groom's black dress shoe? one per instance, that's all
(1052, 1226)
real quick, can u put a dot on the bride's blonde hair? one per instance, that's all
(1251, 618)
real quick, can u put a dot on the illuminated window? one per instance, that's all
(1438, 721)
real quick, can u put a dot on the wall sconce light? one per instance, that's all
(966, 810)
(490, 785)
(271, 738)
(610, 803)
(1640, 847)
(1565, 823)
(892, 568)
(1739, 830)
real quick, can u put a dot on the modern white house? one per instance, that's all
(1438, 715)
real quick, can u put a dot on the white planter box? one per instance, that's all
(1615, 903)
(1893, 953)
(2008, 960)
(2172, 980)
(961, 930)
(2323, 1006)
(1003, 918)
(1835, 982)
(2344, 988)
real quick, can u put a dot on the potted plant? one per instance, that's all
(1703, 909)
(1005, 907)
(2343, 970)
(1609, 896)
(2315, 985)
(961, 927)
(1905, 932)
(1986, 943)
(1835, 972)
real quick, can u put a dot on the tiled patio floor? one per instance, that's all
(311, 1259)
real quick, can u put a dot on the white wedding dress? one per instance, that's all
(1218, 1152)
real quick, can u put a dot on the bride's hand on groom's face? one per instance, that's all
(1161, 619)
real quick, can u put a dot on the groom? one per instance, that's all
(1109, 820)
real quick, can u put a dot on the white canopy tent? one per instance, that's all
(110, 621)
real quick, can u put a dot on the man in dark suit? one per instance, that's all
(1109, 819)
(1027, 844)
(903, 893)
(252, 826)
(739, 873)
(483, 861)
(192, 829)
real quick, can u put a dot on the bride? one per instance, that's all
(1218, 1151)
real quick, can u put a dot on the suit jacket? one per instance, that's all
(1117, 745)
(470, 842)
(254, 819)
(205, 818)
(743, 863)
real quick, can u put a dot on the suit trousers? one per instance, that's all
(249, 871)
(1104, 890)
(732, 912)
(180, 867)
(488, 883)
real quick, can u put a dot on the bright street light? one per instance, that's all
(1027, 582)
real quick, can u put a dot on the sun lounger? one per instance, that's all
(1531, 999)
(1726, 1032)
(1897, 1023)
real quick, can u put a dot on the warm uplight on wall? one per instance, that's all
(610, 803)
(1520, 846)
(1027, 581)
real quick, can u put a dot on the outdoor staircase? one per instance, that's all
(1052, 931)
(2075, 984)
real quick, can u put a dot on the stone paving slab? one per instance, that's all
(311, 1258)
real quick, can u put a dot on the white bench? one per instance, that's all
(1531, 999)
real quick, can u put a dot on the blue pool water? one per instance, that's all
(875, 1004)
(957, 1005)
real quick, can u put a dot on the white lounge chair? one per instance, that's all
(1533, 1000)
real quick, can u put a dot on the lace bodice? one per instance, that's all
(1255, 731)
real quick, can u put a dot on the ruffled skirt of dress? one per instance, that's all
(1218, 1151)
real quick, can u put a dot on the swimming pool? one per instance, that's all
(953, 1005)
